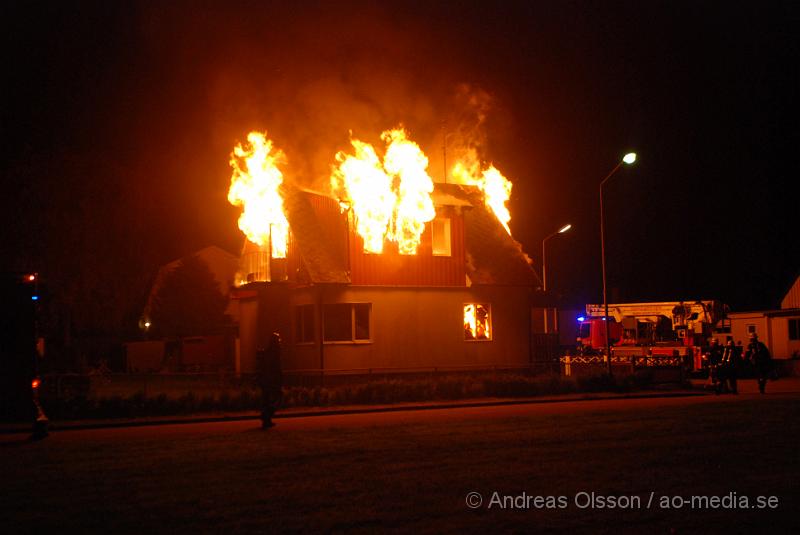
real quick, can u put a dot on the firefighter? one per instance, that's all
(758, 355)
(270, 378)
(713, 357)
(729, 366)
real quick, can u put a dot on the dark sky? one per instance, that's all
(121, 116)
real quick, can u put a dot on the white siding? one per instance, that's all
(792, 298)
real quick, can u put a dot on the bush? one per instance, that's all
(385, 391)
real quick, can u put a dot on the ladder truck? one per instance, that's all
(656, 328)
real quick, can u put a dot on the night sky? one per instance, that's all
(118, 119)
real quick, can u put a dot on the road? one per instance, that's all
(412, 470)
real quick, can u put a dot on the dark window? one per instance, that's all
(361, 321)
(338, 322)
(304, 324)
(794, 329)
(347, 322)
(585, 330)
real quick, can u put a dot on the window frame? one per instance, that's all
(488, 307)
(353, 339)
(447, 228)
(300, 327)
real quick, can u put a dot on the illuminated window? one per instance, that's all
(347, 322)
(440, 233)
(304, 324)
(794, 329)
(477, 321)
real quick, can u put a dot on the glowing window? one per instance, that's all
(477, 321)
(346, 322)
(304, 324)
(440, 233)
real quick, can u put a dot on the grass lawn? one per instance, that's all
(415, 477)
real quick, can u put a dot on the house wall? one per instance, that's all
(792, 297)
(408, 328)
(421, 269)
(782, 347)
(263, 311)
(773, 331)
(739, 327)
(425, 327)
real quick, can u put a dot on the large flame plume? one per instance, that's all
(391, 198)
(255, 183)
(496, 188)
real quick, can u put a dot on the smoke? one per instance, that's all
(310, 80)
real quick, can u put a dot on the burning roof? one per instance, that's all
(390, 197)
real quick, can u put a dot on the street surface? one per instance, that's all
(423, 470)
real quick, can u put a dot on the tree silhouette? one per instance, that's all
(189, 301)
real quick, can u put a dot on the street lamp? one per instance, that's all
(562, 230)
(627, 159)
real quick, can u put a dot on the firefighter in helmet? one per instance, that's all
(729, 366)
(713, 357)
(270, 379)
(758, 355)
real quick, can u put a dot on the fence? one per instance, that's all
(664, 368)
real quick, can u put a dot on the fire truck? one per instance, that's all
(660, 328)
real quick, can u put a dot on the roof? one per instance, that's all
(765, 313)
(320, 247)
(493, 257)
(792, 297)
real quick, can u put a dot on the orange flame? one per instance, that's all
(476, 322)
(254, 186)
(495, 187)
(390, 199)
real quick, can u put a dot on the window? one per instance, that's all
(751, 329)
(794, 328)
(477, 321)
(347, 322)
(440, 237)
(304, 324)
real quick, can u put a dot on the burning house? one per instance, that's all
(387, 270)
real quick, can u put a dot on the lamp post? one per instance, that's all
(627, 159)
(562, 230)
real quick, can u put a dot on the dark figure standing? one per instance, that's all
(730, 367)
(270, 379)
(713, 358)
(758, 354)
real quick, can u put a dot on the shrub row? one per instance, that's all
(378, 392)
